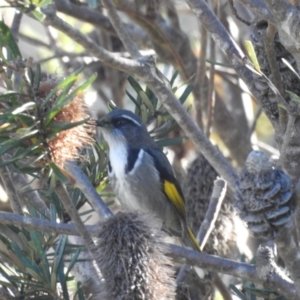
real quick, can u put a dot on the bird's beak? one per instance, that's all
(103, 122)
(91, 122)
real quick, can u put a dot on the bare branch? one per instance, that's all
(120, 63)
(83, 183)
(122, 32)
(282, 285)
(211, 215)
(99, 20)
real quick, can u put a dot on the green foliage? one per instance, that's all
(36, 264)
(148, 107)
(28, 266)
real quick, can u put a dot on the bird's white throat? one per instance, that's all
(118, 158)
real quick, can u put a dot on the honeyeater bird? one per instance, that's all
(141, 175)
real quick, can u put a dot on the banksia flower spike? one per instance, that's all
(264, 197)
(64, 146)
(47, 122)
(134, 264)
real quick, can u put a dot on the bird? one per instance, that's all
(141, 174)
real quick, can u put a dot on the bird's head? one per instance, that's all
(123, 126)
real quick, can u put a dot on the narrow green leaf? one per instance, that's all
(58, 106)
(237, 292)
(137, 105)
(59, 173)
(66, 83)
(186, 93)
(147, 101)
(8, 40)
(174, 76)
(60, 126)
(73, 261)
(42, 3)
(18, 157)
(134, 84)
(8, 94)
(38, 15)
(171, 142)
(151, 96)
(252, 55)
(294, 97)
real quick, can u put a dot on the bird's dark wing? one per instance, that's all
(170, 184)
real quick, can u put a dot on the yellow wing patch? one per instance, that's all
(174, 196)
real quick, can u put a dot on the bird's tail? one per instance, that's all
(193, 240)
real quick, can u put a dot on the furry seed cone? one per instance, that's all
(133, 263)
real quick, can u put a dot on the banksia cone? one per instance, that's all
(197, 189)
(64, 146)
(134, 264)
(289, 80)
(264, 197)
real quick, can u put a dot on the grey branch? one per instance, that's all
(83, 183)
(216, 200)
(212, 263)
(275, 281)
(99, 20)
(289, 252)
(120, 63)
(122, 32)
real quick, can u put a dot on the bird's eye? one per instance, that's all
(120, 122)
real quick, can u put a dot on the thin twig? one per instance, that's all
(56, 50)
(201, 76)
(172, 15)
(98, 20)
(216, 200)
(121, 31)
(289, 252)
(211, 215)
(120, 63)
(81, 228)
(83, 183)
(15, 27)
(211, 82)
(287, 138)
(235, 13)
(44, 225)
(274, 281)
(208, 224)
